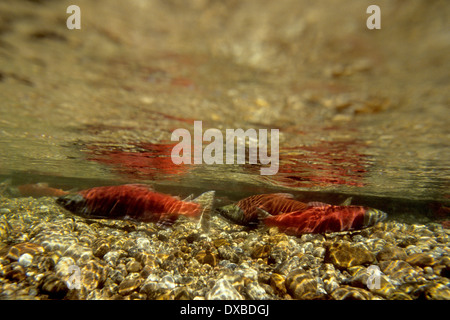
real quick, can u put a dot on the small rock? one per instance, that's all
(208, 257)
(25, 260)
(223, 290)
(420, 259)
(100, 247)
(391, 253)
(398, 270)
(255, 291)
(27, 247)
(277, 282)
(133, 266)
(92, 275)
(16, 274)
(260, 251)
(344, 255)
(302, 285)
(437, 291)
(351, 293)
(127, 286)
(54, 287)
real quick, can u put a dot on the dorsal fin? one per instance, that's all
(206, 201)
(347, 201)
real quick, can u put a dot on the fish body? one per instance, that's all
(325, 218)
(133, 202)
(245, 212)
(35, 190)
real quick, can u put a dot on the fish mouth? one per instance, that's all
(373, 216)
(219, 211)
(72, 202)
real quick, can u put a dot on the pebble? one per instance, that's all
(345, 255)
(391, 253)
(18, 250)
(53, 287)
(420, 259)
(25, 260)
(223, 290)
(302, 285)
(127, 286)
(351, 293)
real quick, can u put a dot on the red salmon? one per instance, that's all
(245, 212)
(134, 202)
(324, 218)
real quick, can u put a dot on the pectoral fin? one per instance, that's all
(206, 200)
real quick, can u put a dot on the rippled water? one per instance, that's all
(361, 113)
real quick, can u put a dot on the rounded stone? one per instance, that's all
(302, 285)
(127, 286)
(277, 282)
(420, 259)
(255, 291)
(223, 290)
(398, 270)
(344, 255)
(92, 275)
(351, 293)
(100, 247)
(133, 266)
(260, 251)
(54, 287)
(25, 260)
(207, 257)
(27, 247)
(391, 253)
(437, 291)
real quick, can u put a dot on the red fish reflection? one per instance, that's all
(151, 161)
(324, 164)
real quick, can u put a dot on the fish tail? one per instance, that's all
(6, 188)
(206, 202)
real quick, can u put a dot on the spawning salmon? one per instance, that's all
(245, 211)
(135, 202)
(324, 218)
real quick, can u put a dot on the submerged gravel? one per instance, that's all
(47, 253)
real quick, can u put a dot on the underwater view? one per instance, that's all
(224, 150)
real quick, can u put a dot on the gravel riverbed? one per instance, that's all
(48, 253)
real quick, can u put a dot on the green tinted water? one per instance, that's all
(360, 112)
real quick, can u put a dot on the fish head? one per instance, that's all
(373, 216)
(232, 212)
(75, 203)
